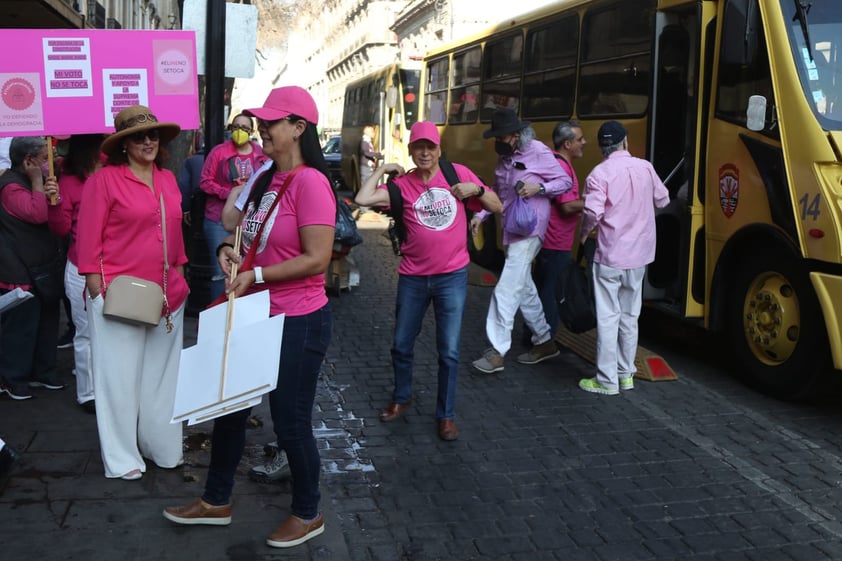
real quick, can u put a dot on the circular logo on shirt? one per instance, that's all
(17, 94)
(436, 209)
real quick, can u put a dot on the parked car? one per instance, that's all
(333, 156)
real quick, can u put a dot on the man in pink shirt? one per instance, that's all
(554, 254)
(527, 174)
(620, 199)
(434, 264)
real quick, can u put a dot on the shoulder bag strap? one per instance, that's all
(449, 172)
(168, 312)
(249, 259)
(396, 209)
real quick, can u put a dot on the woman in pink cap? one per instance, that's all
(290, 213)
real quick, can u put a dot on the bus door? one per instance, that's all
(672, 149)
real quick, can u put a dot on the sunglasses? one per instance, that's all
(267, 124)
(141, 136)
(245, 128)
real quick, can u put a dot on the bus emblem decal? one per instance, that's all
(729, 189)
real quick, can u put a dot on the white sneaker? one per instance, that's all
(276, 469)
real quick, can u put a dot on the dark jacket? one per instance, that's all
(188, 178)
(22, 244)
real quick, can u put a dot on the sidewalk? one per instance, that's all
(698, 469)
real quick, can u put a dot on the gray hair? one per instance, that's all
(527, 135)
(23, 146)
(608, 150)
(563, 132)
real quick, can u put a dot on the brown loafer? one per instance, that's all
(448, 430)
(394, 411)
(294, 531)
(199, 512)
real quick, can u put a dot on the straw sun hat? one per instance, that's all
(137, 118)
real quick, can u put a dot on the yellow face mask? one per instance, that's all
(239, 137)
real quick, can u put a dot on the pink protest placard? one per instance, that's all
(74, 81)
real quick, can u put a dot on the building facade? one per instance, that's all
(347, 39)
(92, 14)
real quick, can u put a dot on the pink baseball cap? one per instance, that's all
(424, 130)
(286, 101)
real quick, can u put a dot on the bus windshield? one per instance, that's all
(815, 34)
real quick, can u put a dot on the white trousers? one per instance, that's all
(618, 294)
(135, 375)
(516, 290)
(74, 288)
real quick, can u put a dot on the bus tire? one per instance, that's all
(776, 328)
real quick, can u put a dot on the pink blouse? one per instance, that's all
(120, 223)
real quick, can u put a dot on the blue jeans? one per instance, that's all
(447, 292)
(549, 263)
(303, 350)
(215, 233)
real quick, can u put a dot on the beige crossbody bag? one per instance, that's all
(138, 301)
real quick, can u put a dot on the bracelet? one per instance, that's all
(258, 275)
(223, 244)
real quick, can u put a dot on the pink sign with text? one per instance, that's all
(74, 81)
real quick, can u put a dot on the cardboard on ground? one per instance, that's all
(254, 353)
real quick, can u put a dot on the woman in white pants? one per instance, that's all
(130, 224)
(82, 160)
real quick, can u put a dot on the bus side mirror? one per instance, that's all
(391, 97)
(756, 113)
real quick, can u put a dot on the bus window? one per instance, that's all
(501, 75)
(435, 98)
(464, 95)
(743, 64)
(819, 63)
(549, 82)
(615, 74)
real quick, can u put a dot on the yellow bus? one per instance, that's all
(737, 105)
(387, 99)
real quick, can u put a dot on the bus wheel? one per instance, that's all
(776, 326)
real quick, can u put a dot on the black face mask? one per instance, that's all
(503, 148)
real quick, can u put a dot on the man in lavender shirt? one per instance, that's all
(620, 199)
(526, 168)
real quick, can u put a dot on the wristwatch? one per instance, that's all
(541, 189)
(258, 275)
(481, 191)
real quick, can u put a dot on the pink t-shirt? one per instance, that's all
(120, 220)
(436, 223)
(70, 187)
(561, 229)
(308, 201)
